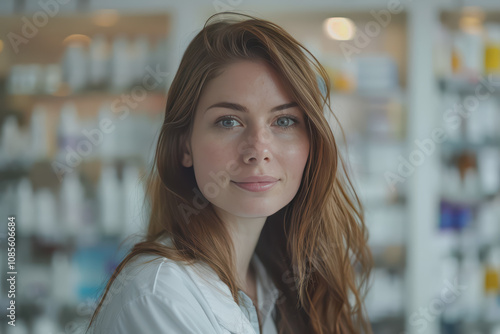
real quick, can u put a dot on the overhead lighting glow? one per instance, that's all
(339, 28)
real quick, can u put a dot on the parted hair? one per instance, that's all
(315, 248)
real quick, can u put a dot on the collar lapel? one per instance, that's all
(227, 312)
(218, 296)
(267, 292)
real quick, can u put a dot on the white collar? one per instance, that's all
(227, 312)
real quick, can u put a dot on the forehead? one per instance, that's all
(246, 79)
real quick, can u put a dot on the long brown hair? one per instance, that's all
(315, 248)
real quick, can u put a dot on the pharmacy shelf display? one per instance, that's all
(69, 169)
(467, 66)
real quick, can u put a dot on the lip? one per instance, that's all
(256, 186)
(261, 178)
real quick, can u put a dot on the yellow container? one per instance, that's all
(491, 280)
(492, 49)
(492, 58)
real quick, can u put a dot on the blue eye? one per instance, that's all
(226, 121)
(288, 122)
(285, 126)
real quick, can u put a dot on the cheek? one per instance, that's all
(296, 159)
(210, 157)
(297, 152)
(212, 151)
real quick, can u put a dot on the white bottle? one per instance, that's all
(8, 200)
(53, 79)
(39, 134)
(45, 211)
(450, 274)
(69, 135)
(140, 58)
(489, 169)
(109, 201)
(470, 46)
(490, 113)
(99, 61)
(470, 300)
(11, 136)
(452, 121)
(72, 198)
(488, 222)
(45, 325)
(75, 66)
(14, 80)
(25, 207)
(474, 124)
(121, 71)
(33, 80)
(108, 124)
(63, 279)
(126, 143)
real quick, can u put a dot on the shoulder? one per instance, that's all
(156, 292)
(150, 274)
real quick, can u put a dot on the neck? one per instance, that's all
(245, 233)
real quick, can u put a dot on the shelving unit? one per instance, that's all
(66, 224)
(470, 166)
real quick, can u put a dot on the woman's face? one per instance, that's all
(247, 125)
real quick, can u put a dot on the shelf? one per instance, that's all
(398, 93)
(50, 38)
(89, 94)
(463, 84)
(468, 145)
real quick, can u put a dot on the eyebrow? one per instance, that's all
(239, 107)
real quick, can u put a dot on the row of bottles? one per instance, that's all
(363, 74)
(471, 175)
(369, 119)
(472, 51)
(386, 296)
(467, 62)
(79, 128)
(60, 290)
(469, 239)
(467, 118)
(73, 210)
(474, 271)
(106, 137)
(94, 64)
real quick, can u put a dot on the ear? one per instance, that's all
(187, 158)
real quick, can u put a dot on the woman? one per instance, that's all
(253, 227)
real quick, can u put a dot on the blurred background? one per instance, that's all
(416, 87)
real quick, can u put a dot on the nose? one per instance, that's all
(256, 147)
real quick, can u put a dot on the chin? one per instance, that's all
(258, 213)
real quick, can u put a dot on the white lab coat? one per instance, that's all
(166, 296)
